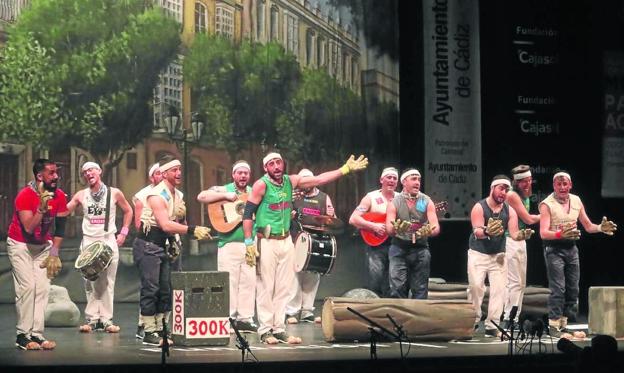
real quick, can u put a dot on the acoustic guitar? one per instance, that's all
(373, 239)
(225, 216)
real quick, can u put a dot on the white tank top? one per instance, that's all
(94, 213)
(162, 191)
(379, 203)
(559, 217)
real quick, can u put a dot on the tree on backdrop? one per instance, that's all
(83, 72)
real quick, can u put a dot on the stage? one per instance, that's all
(101, 351)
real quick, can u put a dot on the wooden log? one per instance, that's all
(606, 310)
(421, 319)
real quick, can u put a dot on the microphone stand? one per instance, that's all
(373, 333)
(242, 343)
(165, 344)
(400, 333)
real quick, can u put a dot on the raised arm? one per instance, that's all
(514, 201)
(216, 194)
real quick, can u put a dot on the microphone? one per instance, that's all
(526, 327)
(538, 326)
(512, 314)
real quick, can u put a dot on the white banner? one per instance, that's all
(452, 104)
(613, 130)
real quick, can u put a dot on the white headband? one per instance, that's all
(409, 173)
(305, 172)
(270, 156)
(241, 164)
(496, 182)
(88, 165)
(522, 175)
(389, 171)
(564, 174)
(169, 165)
(153, 169)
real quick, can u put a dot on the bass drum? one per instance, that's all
(94, 259)
(315, 252)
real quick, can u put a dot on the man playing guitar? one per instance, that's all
(231, 250)
(377, 256)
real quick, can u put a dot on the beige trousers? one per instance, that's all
(231, 259)
(101, 292)
(516, 256)
(303, 293)
(492, 266)
(32, 285)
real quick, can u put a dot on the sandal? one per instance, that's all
(109, 327)
(285, 338)
(24, 343)
(44, 343)
(269, 339)
(88, 328)
(292, 320)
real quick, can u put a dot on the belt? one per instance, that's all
(274, 236)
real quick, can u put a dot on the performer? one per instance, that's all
(486, 253)
(559, 213)
(411, 218)
(271, 200)
(99, 201)
(34, 251)
(232, 249)
(151, 253)
(515, 251)
(140, 207)
(304, 287)
(377, 256)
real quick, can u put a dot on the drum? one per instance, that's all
(94, 259)
(315, 252)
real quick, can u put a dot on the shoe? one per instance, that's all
(291, 320)
(89, 327)
(24, 343)
(246, 326)
(99, 327)
(492, 333)
(285, 338)
(44, 343)
(152, 338)
(309, 318)
(268, 338)
(110, 327)
(140, 333)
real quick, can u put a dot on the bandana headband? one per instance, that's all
(560, 174)
(269, 157)
(522, 175)
(496, 182)
(169, 165)
(241, 164)
(409, 173)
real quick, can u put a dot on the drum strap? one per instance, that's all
(107, 213)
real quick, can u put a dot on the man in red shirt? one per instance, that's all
(33, 251)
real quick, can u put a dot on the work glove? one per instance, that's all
(425, 231)
(180, 211)
(353, 164)
(44, 197)
(607, 226)
(401, 226)
(201, 233)
(494, 227)
(569, 232)
(251, 253)
(53, 266)
(524, 234)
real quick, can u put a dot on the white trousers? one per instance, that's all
(231, 259)
(516, 256)
(494, 267)
(101, 292)
(303, 294)
(277, 273)
(32, 285)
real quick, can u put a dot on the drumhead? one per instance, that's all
(303, 243)
(90, 253)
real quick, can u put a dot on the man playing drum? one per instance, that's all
(271, 201)
(411, 218)
(34, 251)
(304, 288)
(99, 203)
(231, 251)
(150, 252)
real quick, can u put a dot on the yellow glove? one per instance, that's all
(353, 164)
(425, 231)
(180, 211)
(44, 197)
(401, 226)
(251, 253)
(524, 234)
(201, 233)
(494, 227)
(607, 226)
(569, 232)
(53, 265)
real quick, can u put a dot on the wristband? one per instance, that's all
(345, 169)
(54, 251)
(558, 235)
(485, 231)
(124, 231)
(249, 241)
(190, 230)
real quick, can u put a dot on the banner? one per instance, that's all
(452, 106)
(613, 135)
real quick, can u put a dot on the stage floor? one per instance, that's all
(123, 349)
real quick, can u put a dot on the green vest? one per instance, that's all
(237, 234)
(527, 205)
(275, 207)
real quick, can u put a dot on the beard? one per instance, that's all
(49, 187)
